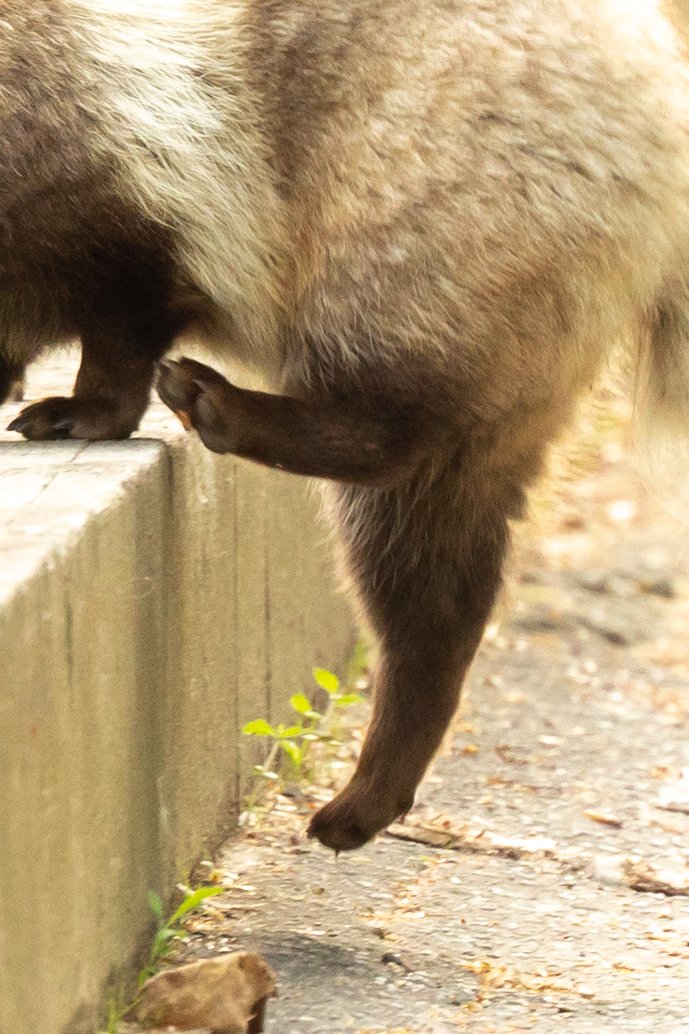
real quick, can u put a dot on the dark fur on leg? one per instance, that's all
(426, 560)
(425, 553)
(126, 324)
(12, 381)
(318, 437)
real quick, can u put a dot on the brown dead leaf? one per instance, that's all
(498, 975)
(397, 1030)
(473, 839)
(641, 876)
(604, 818)
(227, 995)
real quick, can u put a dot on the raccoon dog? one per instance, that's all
(425, 224)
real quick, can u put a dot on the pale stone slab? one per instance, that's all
(153, 598)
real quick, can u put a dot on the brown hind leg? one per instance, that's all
(426, 559)
(11, 380)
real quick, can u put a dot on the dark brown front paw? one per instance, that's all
(355, 816)
(83, 418)
(201, 398)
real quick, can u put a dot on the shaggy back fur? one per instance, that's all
(500, 189)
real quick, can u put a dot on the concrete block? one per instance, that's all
(153, 598)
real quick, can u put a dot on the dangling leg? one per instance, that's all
(11, 380)
(426, 560)
(425, 532)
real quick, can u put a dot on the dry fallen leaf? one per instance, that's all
(495, 975)
(604, 818)
(640, 875)
(226, 995)
(476, 840)
(397, 1030)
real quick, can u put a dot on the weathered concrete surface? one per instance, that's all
(575, 729)
(152, 599)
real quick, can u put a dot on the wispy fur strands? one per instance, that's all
(427, 224)
(177, 115)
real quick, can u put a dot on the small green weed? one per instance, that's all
(166, 932)
(171, 928)
(294, 742)
(291, 743)
(116, 1011)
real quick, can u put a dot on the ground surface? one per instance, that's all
(557, 897)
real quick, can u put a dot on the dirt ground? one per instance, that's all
(542, 881)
